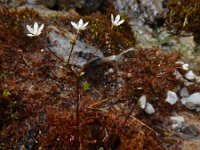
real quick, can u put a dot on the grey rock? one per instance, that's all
(189, 131)
(143, 10)
(86, 6)
(184, 92)
(59, 43)
(171, 97)
(190, 75)
(192, 102)
(142, 101)
(177, 122)
(47, 3)
(61, 46)
(142, 13)
(149, 109)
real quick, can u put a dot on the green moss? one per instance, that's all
(112, 41)
(184, 15)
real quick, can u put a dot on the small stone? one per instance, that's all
(192, 102)
(142, 101)
(149, 109)
(190, 75)
(177, 121)
(49, 3)
(198, 79)
(171, 97)
(190, 131)
(111, 70)
(184, 92)
(178, 75)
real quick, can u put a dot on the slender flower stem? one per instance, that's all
(77, 105)
(70, 53)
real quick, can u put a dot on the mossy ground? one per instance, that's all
(184, 15)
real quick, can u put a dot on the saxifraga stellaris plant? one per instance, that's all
(79, 26)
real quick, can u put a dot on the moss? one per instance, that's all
(184, 15)
(111, 41)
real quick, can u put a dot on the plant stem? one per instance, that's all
(70, 53)
(77, 104)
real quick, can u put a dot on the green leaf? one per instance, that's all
(86, 86)
(2, 74)
(6, 93)
(101, 148)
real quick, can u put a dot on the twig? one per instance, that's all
(127, 117)
(97, 103)
(143, 124)
(22, 55)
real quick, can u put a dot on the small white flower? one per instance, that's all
(185, 66)
(79, 25)
(116, 21)
(35, 31)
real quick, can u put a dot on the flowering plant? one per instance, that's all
(35, 31)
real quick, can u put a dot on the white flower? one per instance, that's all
(185, 66)
(116, 21)
(79, 25)
(35, 31)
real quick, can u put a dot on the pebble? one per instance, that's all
(190, 131)
(192, 102)
(171, 97)
(184, 92)
(190, 75)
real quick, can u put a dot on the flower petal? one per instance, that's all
(112, 18)
(117, 18)
(74, 24)
(85, 24)
(80, 24)
(40, 29)
(30, 29)
(120, 22)
(31, 35)
(35, 28)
